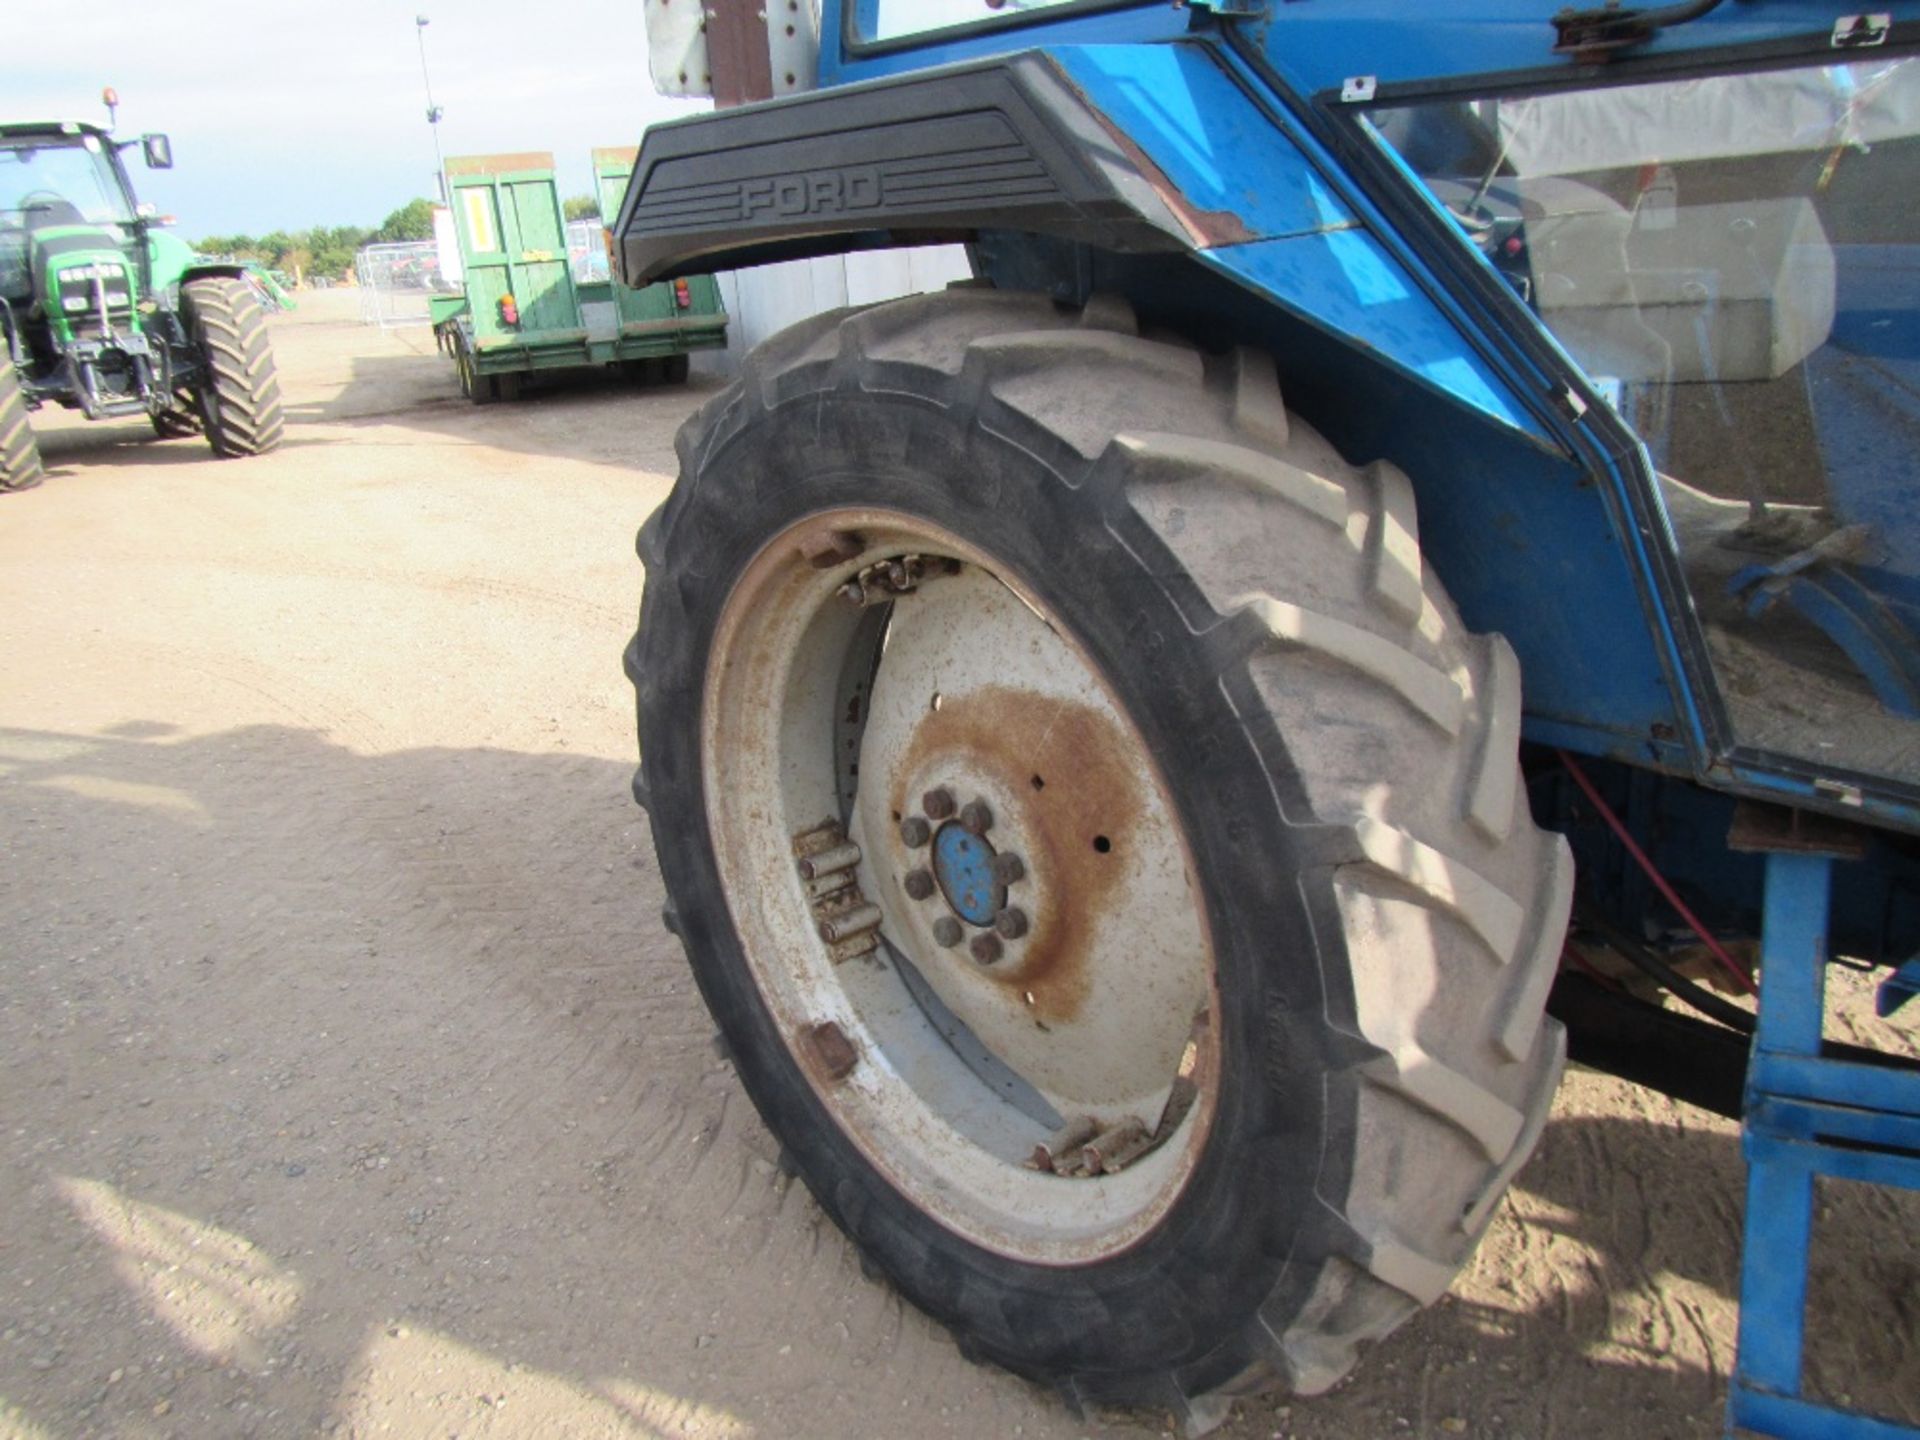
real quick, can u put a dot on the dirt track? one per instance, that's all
(349, 1085)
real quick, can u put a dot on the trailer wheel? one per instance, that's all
(1098, 841)
(19, 451)
(478, 388)
(239, 394)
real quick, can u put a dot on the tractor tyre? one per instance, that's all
(239, 393)
(19, 451)
(178, 422)
(1099, 841)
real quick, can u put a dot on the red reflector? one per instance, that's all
(682, 296)
(509, 311)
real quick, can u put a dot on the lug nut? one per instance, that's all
(915, 832)
(919, 884)
(1011, 923)
(1008, 868)
(938, 803)
(977, 817)
(985, 948)
(946, 932)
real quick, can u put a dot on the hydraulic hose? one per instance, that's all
(1643, 959)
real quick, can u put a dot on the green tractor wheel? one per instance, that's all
(240, 394)
(19, 451)
(178, 421)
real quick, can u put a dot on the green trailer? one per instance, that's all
(529, 306)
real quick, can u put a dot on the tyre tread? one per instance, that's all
(20, 465)
(244, 412)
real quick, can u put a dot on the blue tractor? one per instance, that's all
(1402, 561)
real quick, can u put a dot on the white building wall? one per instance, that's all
(766, 299)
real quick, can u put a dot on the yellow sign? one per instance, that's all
(477, 201)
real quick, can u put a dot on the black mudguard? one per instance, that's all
(1003, 144)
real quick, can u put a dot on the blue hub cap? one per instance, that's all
(963, 864)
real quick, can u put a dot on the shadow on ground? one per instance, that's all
(347, 1091)
(593, 414)
(116, 443)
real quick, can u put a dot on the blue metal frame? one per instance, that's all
(1806, 1116)
(1372, 263)
(1898, 988)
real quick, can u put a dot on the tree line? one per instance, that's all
(322, 252)
(325, 252)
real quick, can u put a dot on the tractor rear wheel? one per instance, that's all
(1098, 840)
(239, 394)
(19, 450)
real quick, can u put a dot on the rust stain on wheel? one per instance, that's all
(1091, 794)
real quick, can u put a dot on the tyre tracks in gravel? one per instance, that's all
(380, 954)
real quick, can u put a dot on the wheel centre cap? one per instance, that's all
(963, 864)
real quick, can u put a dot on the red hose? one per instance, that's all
(1714, 947)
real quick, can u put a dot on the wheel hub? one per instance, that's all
(966, 876)
(1015, 986)
(963, 867)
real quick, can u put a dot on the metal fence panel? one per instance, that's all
(395, 281)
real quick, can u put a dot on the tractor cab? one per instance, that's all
(1730, 258)
(69, 254)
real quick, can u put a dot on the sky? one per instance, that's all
(286, 116)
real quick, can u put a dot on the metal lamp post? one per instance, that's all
(434, 112)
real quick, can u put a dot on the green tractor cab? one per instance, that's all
(103, 312)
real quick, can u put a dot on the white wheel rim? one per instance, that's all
(1105, 1006)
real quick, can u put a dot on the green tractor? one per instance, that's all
(103, 312)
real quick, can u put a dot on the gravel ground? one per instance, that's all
(349, 1086)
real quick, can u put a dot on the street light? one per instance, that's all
(434, 112)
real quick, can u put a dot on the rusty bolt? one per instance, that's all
(848, 923)
(828, 862)
(1011, 923)
(938, 803)
(985, 948)
(830, 1049)
(824, 549)
(1008, 868)
(915, 832)
(977, 817)
(919, 884)
(1113, 1150)
(946, 932)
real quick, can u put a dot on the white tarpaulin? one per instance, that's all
(1710, 118)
